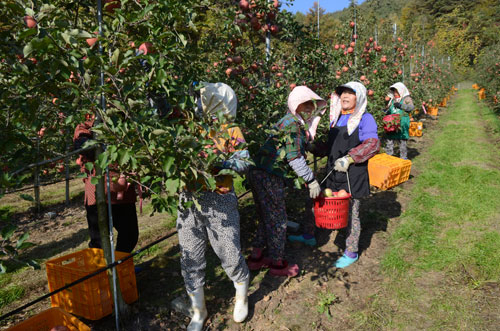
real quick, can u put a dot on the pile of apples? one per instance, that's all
(328, 193)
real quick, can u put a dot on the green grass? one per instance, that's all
(449, 229)
(10, 294)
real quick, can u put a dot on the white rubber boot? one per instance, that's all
(241, 302)
(199, 310)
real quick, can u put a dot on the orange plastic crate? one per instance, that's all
(482, 94)
(49, 318)
(432, 111)
(405, 171)
(387, 171)
(416, 129)
(92, 298)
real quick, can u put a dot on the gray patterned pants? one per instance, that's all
(353, 228)
(217, 221)
(403, 149)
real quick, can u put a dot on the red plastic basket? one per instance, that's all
(332, 213)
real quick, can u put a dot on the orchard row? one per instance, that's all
(52, 63)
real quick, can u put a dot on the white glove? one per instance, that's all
(343, 163)
(314, 189)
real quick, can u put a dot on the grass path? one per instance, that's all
(442, 266)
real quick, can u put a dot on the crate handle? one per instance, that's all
(68, 261)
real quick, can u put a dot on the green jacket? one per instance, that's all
(404, 131)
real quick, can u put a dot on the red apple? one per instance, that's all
(237, 59)
(146, 48)
(29, 21)
(292, 86)
(91, 41)
(111, 5)
(363, 77)
(244, 5)
(352, 24)
(370, 93)
(350, 50)
(336, 46)
(274, 29)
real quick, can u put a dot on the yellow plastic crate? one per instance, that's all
(91, 298)
(387, 171)
(416, 129)
(49, 318)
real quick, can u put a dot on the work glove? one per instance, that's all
(314, 189)
(397, 105)
(343, 163)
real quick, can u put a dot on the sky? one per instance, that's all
(329, 5)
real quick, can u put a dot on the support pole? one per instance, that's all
(36, 175)
(105, 220)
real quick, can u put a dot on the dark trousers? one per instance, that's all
(124, 221)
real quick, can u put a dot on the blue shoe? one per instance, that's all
(345, 261)
(300, 238)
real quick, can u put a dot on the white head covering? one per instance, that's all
(218, 97)
(299, 95)
(361, 102)
(402, 90)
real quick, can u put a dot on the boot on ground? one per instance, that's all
(197, 298)
(240, 312)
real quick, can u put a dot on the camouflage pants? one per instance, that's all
(403, 149)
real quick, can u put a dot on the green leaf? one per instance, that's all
(8, 231)
(94, 180)
(66, 37)
(21, 240)
(33, 264)
(167, 164)
(172, 185)
(25, 245)
(158, 132)
(28, 48)
(115, 57)
(26, 197)
(182, 39)
(123, 156)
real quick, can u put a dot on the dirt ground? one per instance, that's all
(320, 298)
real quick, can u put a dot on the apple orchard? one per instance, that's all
(151, 52)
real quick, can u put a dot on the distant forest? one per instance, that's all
(461, 29)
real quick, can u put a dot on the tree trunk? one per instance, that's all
(102, 213)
